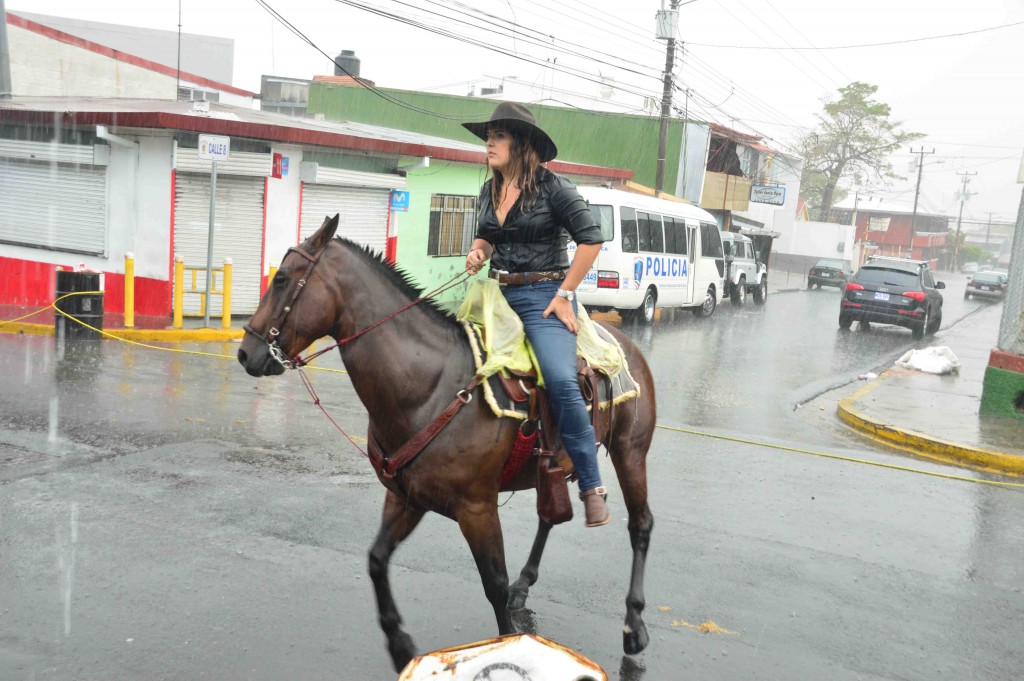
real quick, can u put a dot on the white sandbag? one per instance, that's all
(938, 359)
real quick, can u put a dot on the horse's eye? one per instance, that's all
(279, 282)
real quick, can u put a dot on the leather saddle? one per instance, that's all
(595, 386)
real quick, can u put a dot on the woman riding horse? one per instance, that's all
(525, 212)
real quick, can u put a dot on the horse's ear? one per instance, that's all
(322, 236)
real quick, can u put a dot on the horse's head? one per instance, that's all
(295, 311)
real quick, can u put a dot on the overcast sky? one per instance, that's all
(964, 92)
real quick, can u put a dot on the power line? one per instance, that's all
(807, 40)
(826, 88)
(800, 54)
(852, 47)
(968, 144)
(695, 61)
(579, 73)
(516, 28)
(383, 95)
(412, 107)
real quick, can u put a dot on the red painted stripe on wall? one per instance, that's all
(1000, 359)
(28, 283)
(33, 284)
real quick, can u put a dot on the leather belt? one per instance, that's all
(521, 278)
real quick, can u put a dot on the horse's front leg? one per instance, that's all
(482, 529)
(397, 523)
(633, 479)
(520, 589)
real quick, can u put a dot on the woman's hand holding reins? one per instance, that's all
(475, 260)
(562, 308)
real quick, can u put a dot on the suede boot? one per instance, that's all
(595, 507)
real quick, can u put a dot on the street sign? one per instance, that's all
(399, 201)
(214, 147)
(760, 193)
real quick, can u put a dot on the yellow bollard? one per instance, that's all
(225, 321)
(271, 275)
(129, 290)
(179, 290)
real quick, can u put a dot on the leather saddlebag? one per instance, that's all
(553, 503)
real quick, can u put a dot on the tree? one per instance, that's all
(853, 139)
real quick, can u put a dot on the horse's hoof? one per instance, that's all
(517, 600)
(524, 621)
(402, 650)
(635, 639)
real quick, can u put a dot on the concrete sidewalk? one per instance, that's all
(938, 416)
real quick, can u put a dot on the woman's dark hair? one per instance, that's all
(523, 163)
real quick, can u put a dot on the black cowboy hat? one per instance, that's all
(517, 119)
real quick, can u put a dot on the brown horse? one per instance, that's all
(406, 372)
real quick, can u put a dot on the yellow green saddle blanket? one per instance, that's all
(499, 343)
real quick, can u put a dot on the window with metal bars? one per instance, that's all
(452, 224)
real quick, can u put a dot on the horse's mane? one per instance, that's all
(403, 282)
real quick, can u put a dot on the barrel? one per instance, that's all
(85, 308)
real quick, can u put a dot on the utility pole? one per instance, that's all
(856, 201)
(917, 193)
(667, 29)
(988, 230)
(177, 77)
(963, 198)
(6, 90)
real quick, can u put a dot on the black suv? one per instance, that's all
(893, 291)
(828, 272)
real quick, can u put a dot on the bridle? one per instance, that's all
(274, 330)
(386, 466)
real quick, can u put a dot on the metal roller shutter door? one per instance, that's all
(238, 234)
(364, 212)
(53, 205)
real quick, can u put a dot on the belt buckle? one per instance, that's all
(496, 275)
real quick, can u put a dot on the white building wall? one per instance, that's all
(817, 240)
(139, 206)
(151, 240)
(208, 56)
(44, 67)
(121, 205)
(282, 209)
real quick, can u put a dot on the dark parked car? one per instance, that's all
(828, 273)
(986, 285)
(893, 291)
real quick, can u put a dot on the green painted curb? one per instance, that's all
(1002, 391)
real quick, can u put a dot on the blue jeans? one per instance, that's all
(555, 348)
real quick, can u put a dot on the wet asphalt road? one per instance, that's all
(165, 516)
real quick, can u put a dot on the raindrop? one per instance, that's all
(54, 407)
(28, 363)
(61, 322)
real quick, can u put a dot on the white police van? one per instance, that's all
(657, 254)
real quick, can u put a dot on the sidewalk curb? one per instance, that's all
(925, 445)
(161, 335)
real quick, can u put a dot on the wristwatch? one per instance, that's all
(568, 295)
